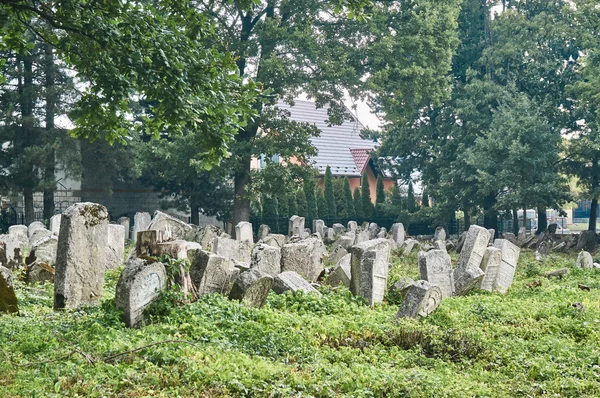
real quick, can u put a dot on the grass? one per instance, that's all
(529, 342)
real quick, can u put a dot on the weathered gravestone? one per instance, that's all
(243, 233)
(336, 254)
(275, 240)
(263, 231)
(398, 234)
(362, 235)
(205, 236)
(510, 258)
(126, 223)
(440, 245)
(11, 251)
(421, 299)
(139, 286)
(176, 249)
(210, 272)
(39, 273)
(329, 235)
(542, 251)
(252, 287)
(141, 221)
(435, 267)
(409, 246)
(492, 232)
(146, 243)
(440, 234)
(303, 257)
(296, 226)
(373, 230)
(267, 259)
(115, 246)
(8, 298)
(338, 229)
(55, 224)
(44, 252)
(342, 273)
(172, 228)
(490, 265)
(369, 269)
(401, 287)
(81, 256)
(34, 226)
(587, 241)
(20, 233)
(352, 226)
(585, 260)
(318, 227)
(468, 273)
(38, 235)
(292, 281)
(232, 249)
(382, 234)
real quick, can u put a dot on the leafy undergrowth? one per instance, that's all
(529, 342)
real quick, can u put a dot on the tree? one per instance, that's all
(358, 205)
(379, 195)
(411, 204)
(311, 200)
(321, 203)
(348, 198)
(302, 204)
(329, 195)
(292, 205)
(341, 209)
(270, 213)
(425, 198)
(365, 194)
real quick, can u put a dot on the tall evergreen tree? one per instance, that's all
(348, 198)
(329, 195)
(365, 193)
(358, 205)
(340, 198)
(292, 205)
(425, 198)
(302, 204)
(311, 200)
(379, 195)
(411, 204)
(321, 203)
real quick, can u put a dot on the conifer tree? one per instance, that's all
(351, 211)
(358, 207)
(329, 195)
(411, 204)
(425, 198)
(311, 201)
(292, 205)
(302, 204)
(379, 195)
(367, 204)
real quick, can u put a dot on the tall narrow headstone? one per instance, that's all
(243, 232)
(398, 234)
(126, 223)
(510, 258)
(352, 226)
(140, 223)
(440, 234)
(435, 267)
(369, 269)
(319, 227)
(55, 224)
(490, 265)
(468, 272)
(115, 247)
(81, 256)
(296, 226)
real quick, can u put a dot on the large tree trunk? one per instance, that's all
(27, 100)
(595, 184)
(515, 214)
(490, 216)
(49, 178)
(467, 217)
(195, 210)
(29, 211)
(542, 220)
(525, 217)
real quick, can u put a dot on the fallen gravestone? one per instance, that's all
(266, 258)
(510, 258)
(373, 230)
(252, 287)
(8, 298)
(39, 273)
(81, 256)
(172, 228)
(369, 268)
(435, 267)
(421, 299)
(292, 281)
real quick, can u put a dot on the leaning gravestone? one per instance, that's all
(206, 236)
(342, 273)
(176, 249)
(352, 226)
(44, 252)
(292, 281)
(126, 223)
(232, 249)
(38, 235)
(243, 232)
(141, 221)
(267, 259)
(172, 228)
(146, 243)
(139, 286)
(275, 240)
(409, 246)
(336, 254)
(421, 299)
(210, 273)
(55, 224)
(398, 234)
(303, 257)
(369, 269)
(435, 267)
(12, 257)
(468, 273)
(252, 287)
(490, 265)
(506, 272)
(8, 298)
(362, 236)
(81, 256)
(585, 260)
(296, 226)
(115, 246)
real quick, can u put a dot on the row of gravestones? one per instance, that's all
(480, 265)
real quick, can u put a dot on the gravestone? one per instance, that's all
(126, 223)
(12, 251)
(409, 246)
(490, 265)
(34, 226)
(329, 235)
(587, 241)
(139, 286)
(362, 235)
(338, 229)
(8, 298)
(38, 235)
(319, 227)
(440, 245)
(542, 251)
(336, 254)
(115, 247)
(292, 281)
(267, 259)
(205, 236)
(141, 221)
(373, 230)
(352, 226)
(303, 257)
(467, 280)
(44, 252)
(232, 249)
(401, 287)
(252, 287)
(243, 232)
(55, 224)
(172, 228)
(369, 269)
(210, 273)
(344, 241)
(522, 236)
(39, 273)
(176, 249)
(435, 267)
(263, 231)
(398, 234)
(382, 234)
(421, 299)
(440, 234)
(275, 240)
(19, 230)
(510, 258)
(492, 232)
(468, 272)
(342, 273)
(296, 226)
(585, 260)
(146, 243)
(81, 256)
(461, 241)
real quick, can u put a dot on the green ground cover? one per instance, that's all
(529, 342)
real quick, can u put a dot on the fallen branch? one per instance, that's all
(120, 354)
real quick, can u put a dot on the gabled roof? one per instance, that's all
(339, 147)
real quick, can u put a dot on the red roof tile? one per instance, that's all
(361, 158)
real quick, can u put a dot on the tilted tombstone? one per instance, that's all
(398, 234)
(440, 234)
(38, 235)
(303, 257)
(115, 247)
(468, 274)
(141, 221)
(44, 252)
(8, 298)
(522, 237)
(461, 241)
(176, 249)
(252, 287)
(510, 258)
(232, 249)
(12, 256)
(172, 228)
(139, 286)
(263, 231)
(492, 232)
(126, 223)
(435, 267)
(319, 227)
(267, 259)
(421, 299)
(292, 281)
(81, 256)
(401, 287)
(206, 236)
(338, 229)
(342, 273)
(490, 265)
(210, 273)
(373, 230)
(296, 226)
(587, 240)
(440, 245)
(585, 260)
(409, 246)
(336, 254)
(352, 226)
(243, 232)
(39, 273)
(275, 240)
(55, 224)
(369, 268)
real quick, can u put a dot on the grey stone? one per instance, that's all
(306, 235)
(373, 230)
(19, 230)
(303, 257)
(267, 259)
(141, 221)
(126, 223)
(275, 240)
(398, 234)
(342, 273)
(12, 256)
(81, 256)
(338, 229)
(510, 258)
(440, 234)
(263, 231)
(329, 235)
(440, 245)
(461, 242)
(492, 232)
(542, 251)
(243, 232)
(115, 247)
(402, 286)
(176, 249)
(587, 240)
(45, 251)
(38, 235)
(352, 226)
(467, 280)
(468, 271)
(241, 266)
(8, 297)
(585, 260)
(205, 236)
(232, 249)
(55, 224)
(292, 281)
(409, 246)
(596, 266)
(336, 254)
(490, 265)
(39, 273)
(560, 247)
(139, 286)
(435, 267)
(552, 228)
(345, 242)
(362, 236)
(252, 287)
(210, 273)
(382, 234)
(318, 227)
(192, 246)
(296, 226)
(34, 226)
(421, 299)
(172, 228)
(146, 243)
(370, 267)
